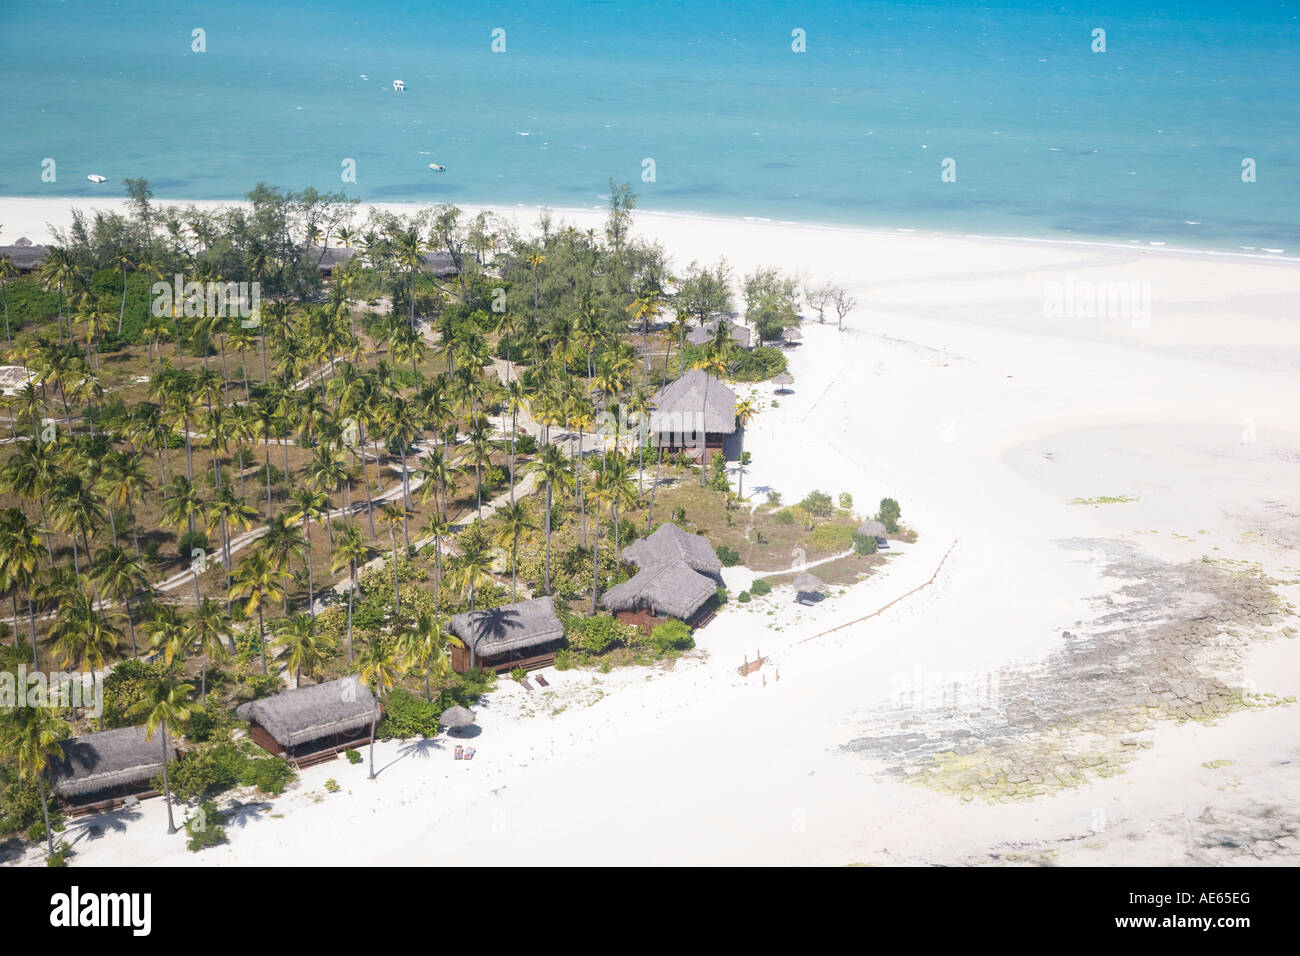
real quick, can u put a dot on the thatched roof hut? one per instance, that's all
(333, 710)
(703, 334)
(108, 760)
(24, 255)
(671, 545)
(872, 529)
(501, 635)
(679, 406)
(664, 590)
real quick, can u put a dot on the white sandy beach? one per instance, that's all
(952, 389)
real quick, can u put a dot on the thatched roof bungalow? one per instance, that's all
(696, 414)
(703, 334)
(25, 255)
(524, 634)
(100, 770)
(313, 723)
(677, 575)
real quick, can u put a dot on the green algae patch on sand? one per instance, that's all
(1105, 500)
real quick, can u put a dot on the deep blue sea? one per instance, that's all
(1049, 138)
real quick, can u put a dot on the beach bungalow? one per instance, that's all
(100, 771)
(677, 575)
(312, 724)
(696, 409)
(25, 255)
(524, 634)
(703, 334)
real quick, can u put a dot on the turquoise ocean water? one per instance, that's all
(1144, 141)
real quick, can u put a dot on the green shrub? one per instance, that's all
(743, 597)
(597, 634)
(189, 542)
(526, 445)
(774, 499)
(204, 773)
(257, 686)
(846, 501)
(124, 687)
(889, 514)
(354, 756)
(564, 659)
(407, 716)
(728, 556)
(204, 828)
(832, 537)
(864, 543)
(672, 636)
(518, 673)
(760, 587)
(61, 853)
(785, 516)
(758, 364)
(818, 504)
(268, 774)
(332, 785)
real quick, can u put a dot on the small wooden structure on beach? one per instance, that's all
(100, 771)
(525, 634)
(312, 724)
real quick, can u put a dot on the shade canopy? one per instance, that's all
(785, 378)
(791, 334)
(456, 716)
(807, 583)
(873, 528)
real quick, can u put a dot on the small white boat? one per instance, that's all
(399, 86)
(437, 168)
(96, 178)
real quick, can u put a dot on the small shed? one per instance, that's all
(311, 724)
(99, 771)
(524, 634)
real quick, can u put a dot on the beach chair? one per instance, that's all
(469, 753)
(523, 682)
(460, 751)
(541, 680)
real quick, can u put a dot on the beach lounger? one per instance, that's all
(460, 751)
(523, 682)
(469, 754)
(541, 680)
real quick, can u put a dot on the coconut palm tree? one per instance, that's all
(169, 633)
(380, 668)
(308, 504)
(260, 582)
(438, 528)
(82, 636)
(746, 409)
(20, 556)
(515, 522)
(120, 574)
(302, 649)
(166, 707)
(556, 474)
(393, 514)
(351, 550)
(472, 566)
(32, 738)
(209, 625)
(423, 648)
(7, 272)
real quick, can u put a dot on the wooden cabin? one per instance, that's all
(693, 410)
(678, 574)
(99, 771)
(312, 724)
(525, 634)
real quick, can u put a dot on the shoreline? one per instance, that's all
(33, 224)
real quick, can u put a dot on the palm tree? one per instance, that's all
(302, 648)
(479, 455)
(261, 582)
(169, 633)
(20, 555)
(393, 514)
(352, 551)
(472, 566)
(166, 706)
(745, 412)
(423, 647)
(82, 636)
(436, 527)
(555, 472)
(308, 504)
(282, 542)
(209, 625)
(516, 521)
(119, 574)
(380, 668)
(7, 272)
(32, 737)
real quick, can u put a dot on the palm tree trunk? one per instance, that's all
(352, 591)
(167, 791)
(261, 637)
(372, 745)
(548, 536)
(595, 561)
(45, 810)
